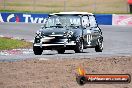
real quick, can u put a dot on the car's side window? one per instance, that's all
(92, 21)
(85, 21)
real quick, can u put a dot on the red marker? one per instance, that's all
(17, 19)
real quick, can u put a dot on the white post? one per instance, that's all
(64, 5)
(34, 5)
(4, 4)
(95, 6)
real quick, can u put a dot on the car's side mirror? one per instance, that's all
(42, 26)
(85, 26)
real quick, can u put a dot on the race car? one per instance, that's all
(68, 31)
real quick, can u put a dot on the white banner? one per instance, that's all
(122, 19)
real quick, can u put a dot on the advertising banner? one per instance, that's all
(40, 18)
(122, 19)
(104, 19)
(23, 17)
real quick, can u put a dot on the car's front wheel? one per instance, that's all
(79, 47)
(37, 50)
(99, 47)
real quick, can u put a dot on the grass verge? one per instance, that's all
(6, 44)
(54, 11)
(26, 11)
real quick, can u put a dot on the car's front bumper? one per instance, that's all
(55, 43)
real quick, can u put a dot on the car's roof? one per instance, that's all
(72, 13)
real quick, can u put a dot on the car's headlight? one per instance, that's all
(68, 33)
(38, 33)
(37, 40)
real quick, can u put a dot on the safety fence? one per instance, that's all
(93, 6)
(102, 19)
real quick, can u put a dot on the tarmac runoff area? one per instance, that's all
(117, 42)
(20, 68)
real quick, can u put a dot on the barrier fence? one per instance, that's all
(93, 6)
(103, 19)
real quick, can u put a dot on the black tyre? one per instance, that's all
(99, 47)
(61, 51)
(37, 50)
(79, 47)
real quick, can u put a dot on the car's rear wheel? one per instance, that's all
(99, 47)
(61, 51)
(37, 50)
(79, 47)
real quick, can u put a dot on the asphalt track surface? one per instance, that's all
(117, 42)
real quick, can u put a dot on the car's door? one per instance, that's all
(86, 31)
(95, 31)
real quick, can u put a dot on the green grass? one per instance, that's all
(55, 11)
(6, 10)
(18, 4)
(7, 44)
(25, 11)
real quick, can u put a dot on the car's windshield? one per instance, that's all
(63, 21)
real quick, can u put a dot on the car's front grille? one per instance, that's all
(54, 40)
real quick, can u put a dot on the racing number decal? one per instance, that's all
(89, 38)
